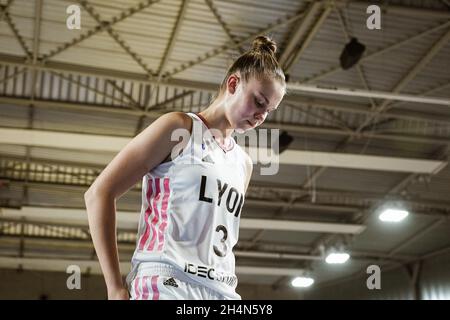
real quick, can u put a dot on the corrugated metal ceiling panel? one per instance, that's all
(357, 180)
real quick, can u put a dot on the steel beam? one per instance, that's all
(417, 235)
(429, 208)
(434, 140)
(93, 267)
(4, 9)
(380, 52)
(394, 95)
(400, 10)
(171, 43)
(437, 46)
(315, 29)
(17, 35)
(127, 220)
(384, 265)
(224, 26)
(101, 27)
(103, 143)
(117, 38)
(298, 33)
(231, 44)
(108, 75)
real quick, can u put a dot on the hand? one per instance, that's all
(118, 294)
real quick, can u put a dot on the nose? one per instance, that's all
(260, 116)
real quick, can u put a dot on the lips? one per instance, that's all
(252, 124)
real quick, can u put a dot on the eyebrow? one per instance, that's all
(267, 100)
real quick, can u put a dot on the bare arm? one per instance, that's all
(140, 155)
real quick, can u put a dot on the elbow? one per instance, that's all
(93, 194)
(88, 196)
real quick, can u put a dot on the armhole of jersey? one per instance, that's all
(188, 145)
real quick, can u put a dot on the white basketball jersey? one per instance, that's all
(190, 212)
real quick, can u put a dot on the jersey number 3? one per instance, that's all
(222, 251)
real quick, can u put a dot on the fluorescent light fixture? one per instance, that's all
(337, 257)
(129, 220)
(393, 215)
(304, 226)
(106, 146)
(302, 282)
(356, 92)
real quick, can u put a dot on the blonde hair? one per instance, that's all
(259, 62)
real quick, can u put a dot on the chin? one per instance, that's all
(246, 127)
(243, 126)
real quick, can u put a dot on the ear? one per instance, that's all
(232, 83)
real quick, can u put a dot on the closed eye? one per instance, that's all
(259, 104)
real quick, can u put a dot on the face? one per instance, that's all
(248, 104)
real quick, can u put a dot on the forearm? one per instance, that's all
(101, 212)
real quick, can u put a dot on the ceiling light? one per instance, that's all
(302, 282)
(393, 215)
(337, 257)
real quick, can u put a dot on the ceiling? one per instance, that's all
(132, 61)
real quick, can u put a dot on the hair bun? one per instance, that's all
(264, 44)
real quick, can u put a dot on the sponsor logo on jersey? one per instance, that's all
(210, 273)
(170, 282)
(207, 159)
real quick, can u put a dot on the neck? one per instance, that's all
(216, 118)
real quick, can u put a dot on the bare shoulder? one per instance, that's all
(176, 119)
(143, 153)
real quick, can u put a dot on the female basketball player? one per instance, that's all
(192, 199)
